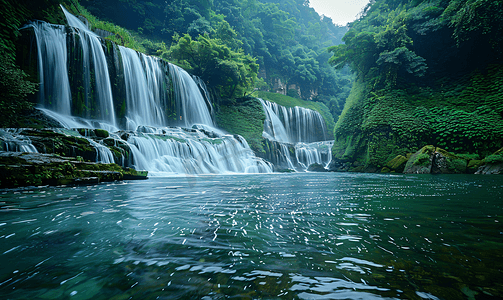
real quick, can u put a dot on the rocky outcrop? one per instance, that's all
(34, 169)
(492, 164)
(421, 162)
(316, 168)
(396, 165)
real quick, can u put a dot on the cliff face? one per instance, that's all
(428, 74)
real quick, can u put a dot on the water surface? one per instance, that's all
(274, 236)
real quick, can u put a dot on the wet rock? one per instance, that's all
(492, 164)
(316, 168)
(396, 165)
(421, 161)
(34, 169)
(447, 163)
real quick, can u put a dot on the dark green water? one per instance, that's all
(277, 236)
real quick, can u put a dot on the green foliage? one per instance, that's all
(286, 38)
(14, 89)
(119, 35)
(231, 72)
(244, 117)
(493, 159)
(407, 95)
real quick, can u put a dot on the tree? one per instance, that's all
(231, 72)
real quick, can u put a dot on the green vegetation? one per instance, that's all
(118, 35)
(230, 72)
(428, 72)
(245, 117)
(285, 38)
(26, 169)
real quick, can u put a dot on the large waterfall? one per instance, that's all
(297, 137)
(88, 82)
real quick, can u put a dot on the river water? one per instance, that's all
(273, 236)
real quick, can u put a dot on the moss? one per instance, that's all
(101, 133)
(423, 158)
(244, 117)
(493, 159)
(459, 115)
(397, 164)
(23, 169)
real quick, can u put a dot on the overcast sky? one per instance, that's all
(340, 11)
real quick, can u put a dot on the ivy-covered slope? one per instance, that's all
(428, 73)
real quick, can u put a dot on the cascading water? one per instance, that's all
(54, 86)
(297, 135)
(11, 141)
(156, 94)
(300, 124)
(193, 152)
(145, 89)
(191, 105)
(93, 50)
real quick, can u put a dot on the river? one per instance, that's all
(274, 236)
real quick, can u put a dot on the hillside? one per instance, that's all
(428, 73)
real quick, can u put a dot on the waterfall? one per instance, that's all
(54, 89)
(293, 124)
(93, 50)
(155, 94)
(145, 89)
(179, 151)
(297, 127)
(191, 105)
(273, 127)
(10, 140)
(311, 153)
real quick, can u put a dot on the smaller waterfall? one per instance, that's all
(145, 89)
(317, 152)
(11, 141)
(93, 50)
(296, 137)
(299, 124)
(54, 89)
(181, 151)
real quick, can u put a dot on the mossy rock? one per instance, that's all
(316, 168)
(492, 164)
(445, 162)
(397, 164)
(421, 161)
(101, 133)
(35, 169)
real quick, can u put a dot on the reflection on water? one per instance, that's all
(306, 236)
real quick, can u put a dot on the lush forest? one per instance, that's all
(427, 73)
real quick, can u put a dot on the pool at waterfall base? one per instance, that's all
(256, 236)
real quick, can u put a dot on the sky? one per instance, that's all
(340, 11)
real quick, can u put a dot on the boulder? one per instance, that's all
(421, 161)
(316, 168)
(396, 165)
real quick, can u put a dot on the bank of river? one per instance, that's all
(302, 235)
